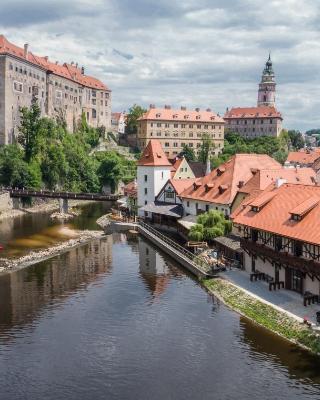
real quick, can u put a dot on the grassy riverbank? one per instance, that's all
(263, 314)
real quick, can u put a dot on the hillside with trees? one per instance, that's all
(48, 156)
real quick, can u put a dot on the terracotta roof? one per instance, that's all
(275, 216)
(153, 155)
(265, 177)
(240, 168)
(187, 116)
(303, 157)
(181, 184)
(67, 71)
(262, 200)
(253, 112)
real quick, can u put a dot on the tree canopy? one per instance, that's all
(210, 225)
(135, 112)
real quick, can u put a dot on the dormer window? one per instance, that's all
(198, 117)
(304, 208)
(222, 188)
(196, 185)
(158, 115)
(208, 186)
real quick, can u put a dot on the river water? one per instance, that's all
(117, 319)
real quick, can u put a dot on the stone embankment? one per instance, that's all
(80, 238)
(263, 314)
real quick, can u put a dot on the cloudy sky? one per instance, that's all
(198, 53)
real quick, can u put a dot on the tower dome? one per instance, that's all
(267, 86)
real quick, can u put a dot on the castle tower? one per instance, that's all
(267, 86)
(153, 171)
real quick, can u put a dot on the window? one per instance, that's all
(94, 93)
(271, 121)
(190, 144)
(94, 102)
(254, 235)
(145, 202)
(146, 178)
(17, 86)
(199, 126)
(159, 124)
(191, 126)
(151, 124)
(162, 175)
(206, 127)
(190, 134)
(10, 66)
(188, 204)
(94, 113)
(175, 144)
(183, 125)
(169, 195)
(145, 191)
(166, 125)
(166, 144)
(278, 243)
(298, 248)
(207, 207)
(176, 125)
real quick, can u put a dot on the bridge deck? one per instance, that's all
(63, 195)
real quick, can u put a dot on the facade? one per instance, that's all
(118, 122)
(62, 91)
(178, 128)
(153, 171)
(280, 236)
(217, 190)
(263, 120)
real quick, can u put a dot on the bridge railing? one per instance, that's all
(196, 259)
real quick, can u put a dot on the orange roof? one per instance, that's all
(68, 71)
(153, 155)
(253, 112)
(226, 178)
(181, 184)
(265, 177)
(303, 157)
(275, 216)
(165, 114)
(263, 199)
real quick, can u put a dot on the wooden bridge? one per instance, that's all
(62, 196)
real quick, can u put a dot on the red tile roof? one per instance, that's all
(275, 217)
(304, 207)
(181, 184)
(303, 157)
(187, 116)
(67, 71)
(253, 112)
(226, 178)
(265, 177)
(153, 155)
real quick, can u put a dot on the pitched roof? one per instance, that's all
(275, 216)
(198, 168)
(180, 185)
(222, 184)
(253, 112)
(154, 156)
(265, 177)
(68, 71)
(303, 157)
(187, 116)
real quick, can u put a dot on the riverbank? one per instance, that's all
(263, 314)
(45, 207)
(79, 238)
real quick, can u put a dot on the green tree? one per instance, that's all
(135, 112)
(188, 153)
(296, 139)
(206, 147)
(29, 129)
(210, 224)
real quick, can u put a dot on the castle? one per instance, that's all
(263, 120)
(61, 90)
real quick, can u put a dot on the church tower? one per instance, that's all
(267, 86)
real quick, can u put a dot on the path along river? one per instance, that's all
(117, 319)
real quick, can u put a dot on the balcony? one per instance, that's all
(285, 259)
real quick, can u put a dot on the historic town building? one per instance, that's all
(217, 190)
(61, 90)
(118, 122)
(176, 129)
(263, 120)
(280, 236)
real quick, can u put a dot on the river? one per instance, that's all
(117, 319)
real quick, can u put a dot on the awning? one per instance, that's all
(171, 210)
(188, 221)
(232, 242)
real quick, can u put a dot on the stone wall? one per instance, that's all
(5, 202)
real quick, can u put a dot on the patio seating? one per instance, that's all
(309, 298)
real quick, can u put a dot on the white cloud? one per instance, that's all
(207, 53)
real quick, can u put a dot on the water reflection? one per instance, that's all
(24, 293)
(296, 360)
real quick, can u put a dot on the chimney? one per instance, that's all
(197, 109)
(183, 108)
(152, 106)
(82, 70)
(46, 58)
(72, 62)
(240, 185)
(25, 53)
(167, 107)
(208, 168)
(279, 182)
(57, 62)
(208, 110)
(76, 65)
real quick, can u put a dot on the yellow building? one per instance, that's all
(178, 128)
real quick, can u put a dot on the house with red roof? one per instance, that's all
(217, 190)
(280, 235)
(62, 90)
